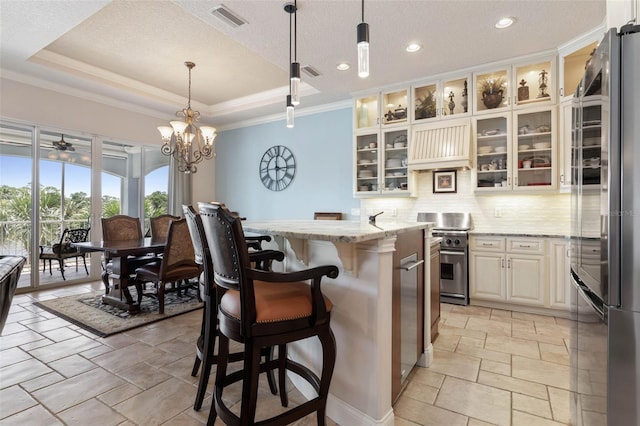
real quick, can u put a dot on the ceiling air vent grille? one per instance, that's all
(227, 16)
(310, 71)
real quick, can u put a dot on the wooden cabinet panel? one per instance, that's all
(526, 279)
(487, 279)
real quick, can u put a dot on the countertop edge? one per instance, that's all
(518, 234)
(345, 236)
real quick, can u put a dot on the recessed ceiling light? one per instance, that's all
(413, 47)
(343, 66)
(505, 22)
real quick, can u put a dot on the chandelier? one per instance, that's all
(186, 142)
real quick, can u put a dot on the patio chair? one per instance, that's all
(64, 250)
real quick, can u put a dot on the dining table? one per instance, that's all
(119, 251)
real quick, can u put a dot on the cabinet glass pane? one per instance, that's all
(367, 162)
(534, 149)
(425, 102)
(395, 161)
(455, 97)
(367, 112)
(492, 153)
(395, 107)
(492, 90)
(534, 83)
(591, 142)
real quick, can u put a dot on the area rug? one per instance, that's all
(88, 312)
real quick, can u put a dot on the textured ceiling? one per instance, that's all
(132, 52)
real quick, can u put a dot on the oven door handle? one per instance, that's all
(410, 265)
(453, 252)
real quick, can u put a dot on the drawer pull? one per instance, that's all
(488, 244)
(525, 246)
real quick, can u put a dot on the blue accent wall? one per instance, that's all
(322, 146)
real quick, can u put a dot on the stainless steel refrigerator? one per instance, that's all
(605, 235)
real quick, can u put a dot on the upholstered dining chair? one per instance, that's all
(160, 225)
(205, 344)
(177, 264)
(257, 313)
(123, 228)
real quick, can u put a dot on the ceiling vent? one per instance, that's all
(310, 71)
(230, 18)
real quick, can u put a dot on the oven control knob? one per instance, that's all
(457, 242)
(448, 241)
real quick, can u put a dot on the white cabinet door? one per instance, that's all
(559, 283)
(526, 279)
(487, 277)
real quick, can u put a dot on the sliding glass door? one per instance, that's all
(79, 178)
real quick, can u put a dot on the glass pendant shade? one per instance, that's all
(295, 83)
(178, 127)
(209, 134)
(290, 112)
(166, 133)
(363, 50)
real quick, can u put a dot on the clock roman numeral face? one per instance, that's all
(277, 168)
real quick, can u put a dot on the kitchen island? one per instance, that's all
(361, 319)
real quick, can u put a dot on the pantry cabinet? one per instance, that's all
(508, 269)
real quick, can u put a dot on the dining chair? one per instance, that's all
(63, 250)
(123, 228)
(254, 311)
(177, 264)
(205, 345)
(160, 225)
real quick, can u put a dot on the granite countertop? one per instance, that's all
(341, 231)
(534, 234)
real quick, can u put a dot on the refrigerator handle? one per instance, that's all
(585, 293)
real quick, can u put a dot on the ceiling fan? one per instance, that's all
(63, 145)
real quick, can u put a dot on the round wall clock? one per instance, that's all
(277, 168)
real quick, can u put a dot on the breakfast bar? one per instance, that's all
(361, 319)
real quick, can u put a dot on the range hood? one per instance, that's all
(445, 144)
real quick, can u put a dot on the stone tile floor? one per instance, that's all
(490, 367)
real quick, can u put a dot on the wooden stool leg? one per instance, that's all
(221, 374)
(328, 342)
(250, 383)
(282, 374)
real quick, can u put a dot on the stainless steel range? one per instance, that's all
(453, 228)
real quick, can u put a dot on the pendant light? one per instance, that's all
(290, 112)
(294, 71)
(363, 47)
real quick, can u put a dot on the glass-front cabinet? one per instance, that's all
(492, 91)
(535, 145)
(516, 150)
(395, 160)
(394, 107)
(381, 163)
(535, 83)
(367, 156)
(367, 112)
(516, 86)
(493, 153)
(442, 99)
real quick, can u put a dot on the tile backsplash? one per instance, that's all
(511, 211)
